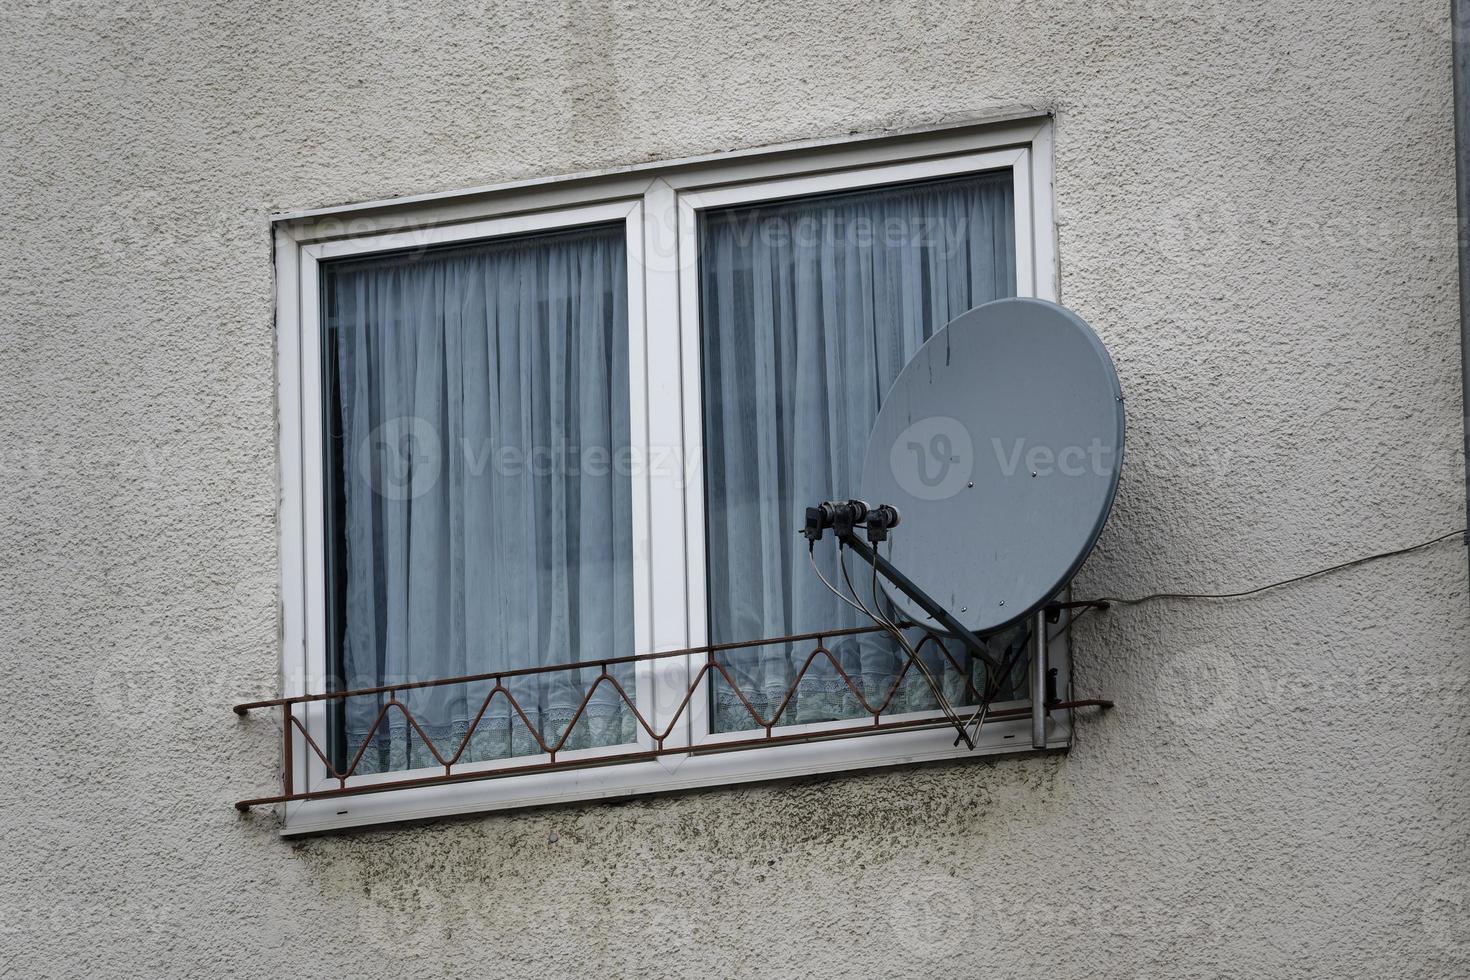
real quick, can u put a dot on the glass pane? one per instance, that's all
(808, 310)
(479, 500)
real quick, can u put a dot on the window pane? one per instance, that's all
(479, 500)
(808, 311)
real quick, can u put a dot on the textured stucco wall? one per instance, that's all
(1255, 204)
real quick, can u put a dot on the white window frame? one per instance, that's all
(659, 206)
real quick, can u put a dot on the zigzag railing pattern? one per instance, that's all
(662, 741)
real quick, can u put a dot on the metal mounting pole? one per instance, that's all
(1038, 680)
(288, 763)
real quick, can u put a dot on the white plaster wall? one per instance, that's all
(1255, 204)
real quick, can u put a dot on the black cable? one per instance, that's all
(992, 689)
(914, 658)
(1139, 600)
(888, 626)
(812, 556)
(1286, 581)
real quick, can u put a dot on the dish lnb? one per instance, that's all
(844, 515)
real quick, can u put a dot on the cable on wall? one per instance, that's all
(1140, 600)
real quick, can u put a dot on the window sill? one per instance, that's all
(1007, 736)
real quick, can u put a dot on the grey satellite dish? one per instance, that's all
(1000, 444)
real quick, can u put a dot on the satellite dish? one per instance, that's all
(1000, 443)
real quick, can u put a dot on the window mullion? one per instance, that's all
(662, 465)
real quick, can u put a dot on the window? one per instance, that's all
(573, 421)
(808, 309)
(479, 519)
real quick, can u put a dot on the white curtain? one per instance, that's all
(482, 497)
(809, 310)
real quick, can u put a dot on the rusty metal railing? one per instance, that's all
(665, 741)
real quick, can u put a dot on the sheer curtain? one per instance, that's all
(480, 499)
(809, 309)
